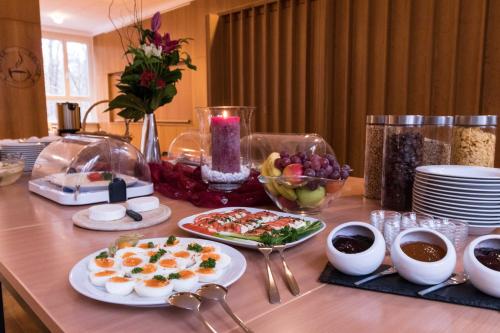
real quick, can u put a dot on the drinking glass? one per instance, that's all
(460, 235)
(392, 228)
(413, 220)
(378, 218)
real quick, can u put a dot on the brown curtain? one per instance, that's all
(323, 65)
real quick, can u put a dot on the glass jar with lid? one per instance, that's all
(437, 140)
(474, 140)
(374, 149)
(403, 152)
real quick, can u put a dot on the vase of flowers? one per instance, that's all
(148, 81)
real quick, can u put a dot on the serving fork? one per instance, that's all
(272, 288)
(290, 279)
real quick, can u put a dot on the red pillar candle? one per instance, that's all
(225, 143)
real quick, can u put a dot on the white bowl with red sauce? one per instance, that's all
(481, 276)
(419, 271)
(360, 263)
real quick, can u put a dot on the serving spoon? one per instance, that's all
(190, 301)
(388, 271)
(216, 292)
(290, 279)
(457, 278)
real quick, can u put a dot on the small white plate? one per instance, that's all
(451, 210)
(247, 243)
(461, 171)
(469, 181)
(465, 186)
(79, 279)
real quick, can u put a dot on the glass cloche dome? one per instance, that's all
(77, 169)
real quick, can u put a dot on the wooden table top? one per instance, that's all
(39, 245)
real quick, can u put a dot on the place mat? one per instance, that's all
(149, 218)
(464, 294)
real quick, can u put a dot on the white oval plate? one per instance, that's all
(79, 280)
(438, 212)
(242, 242)
(482, 191)
(451, 210)
(458, 206)
(461, 171)
(466, 186)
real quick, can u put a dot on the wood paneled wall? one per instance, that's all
(323, 65)
(22, 93)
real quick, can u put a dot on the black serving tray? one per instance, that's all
(463, 294)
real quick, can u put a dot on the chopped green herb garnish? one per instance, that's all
(195, 247)
(154, 258)
(209, 263)
(137, 270)
(102, 255)
(171, 240)
(151, 245)
(107, 176)
(159, 278)
(173, 276)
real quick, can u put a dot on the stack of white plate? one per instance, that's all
(467, 193)
(29, 151)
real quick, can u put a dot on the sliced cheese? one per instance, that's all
(143, 204)
(106, 212)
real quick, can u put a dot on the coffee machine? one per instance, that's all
(68, 118)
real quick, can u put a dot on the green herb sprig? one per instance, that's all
(159, 278)
(171, 240)
(102, 255)
(173, 276)
(195, 247)
(137, 270)
(209, 263)
(154, 258)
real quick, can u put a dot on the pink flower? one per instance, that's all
(146, 78)
(165, 42)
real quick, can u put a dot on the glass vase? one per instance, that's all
(150, 145)
(225, 158)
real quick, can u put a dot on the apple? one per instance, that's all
(308, 198)
(287, 204)
(292, 172)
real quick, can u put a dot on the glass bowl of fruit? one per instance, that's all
(303, 182)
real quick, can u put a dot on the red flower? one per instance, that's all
(146, 78)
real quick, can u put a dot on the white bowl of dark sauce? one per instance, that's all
(482, 264)
(355, 248)
(423, 256)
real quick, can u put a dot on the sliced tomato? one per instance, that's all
(94, 176)
(198, 228)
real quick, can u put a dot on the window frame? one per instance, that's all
(65, 38)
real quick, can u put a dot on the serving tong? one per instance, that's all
(272, 288)
(192, 301)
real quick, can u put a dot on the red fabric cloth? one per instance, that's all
(179, 181)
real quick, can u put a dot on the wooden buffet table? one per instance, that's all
(39, 245)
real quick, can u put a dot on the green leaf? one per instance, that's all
(133, 114)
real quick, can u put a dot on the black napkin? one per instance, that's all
(464, 294)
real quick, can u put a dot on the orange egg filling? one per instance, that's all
(144, 246)
(153, 283)
(119, 279)
(207, 249)
(128, 254)
(104, 273)
(131, 261)
(104, 262)
(149, 268)
(123, 245)
(168, 263)
(207, 256)
(186, 274)
(151, 253)
(182, 254)
(204, 270)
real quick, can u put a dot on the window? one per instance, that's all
(67, 71)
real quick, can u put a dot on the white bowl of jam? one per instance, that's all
(355, 248)
(423, 256)
(482, 263)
